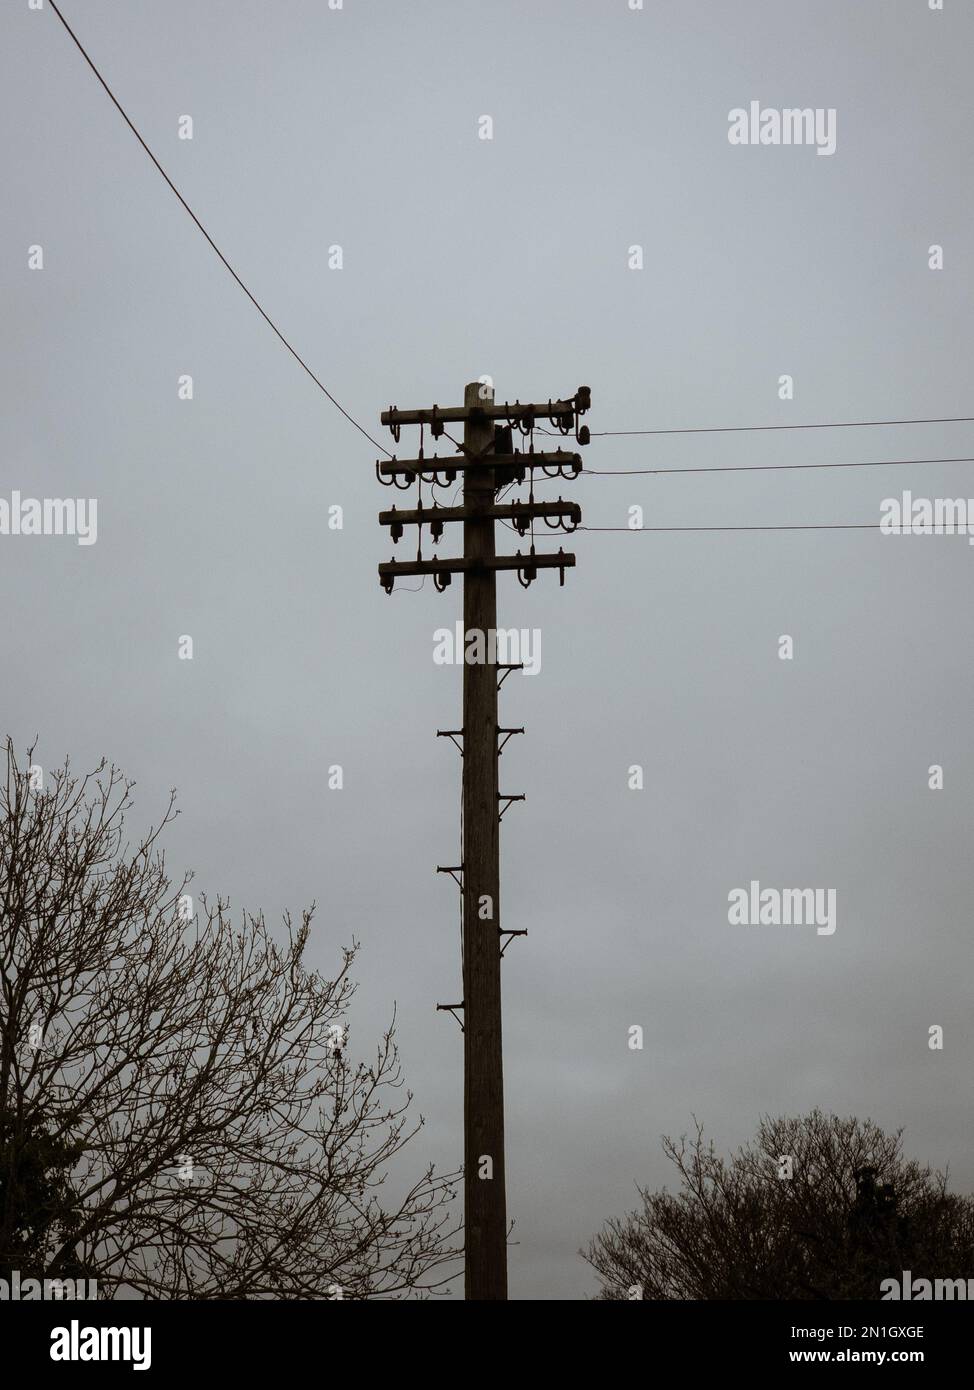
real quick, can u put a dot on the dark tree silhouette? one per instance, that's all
(852, 1213)
(181, 1111)
(38, 1205)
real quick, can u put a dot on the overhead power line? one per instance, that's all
(263, 313)
(785, 526)
(770, 467)
(796, 526)
(749, 429)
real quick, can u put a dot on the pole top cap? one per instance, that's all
(479, 392)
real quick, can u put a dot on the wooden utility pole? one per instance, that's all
(487, 462)
(485, 1198)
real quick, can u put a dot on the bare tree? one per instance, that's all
(193, 1074)
(817, 1208)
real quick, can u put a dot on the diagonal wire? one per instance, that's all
(264, 315)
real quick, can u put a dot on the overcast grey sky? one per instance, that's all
(464, 256)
